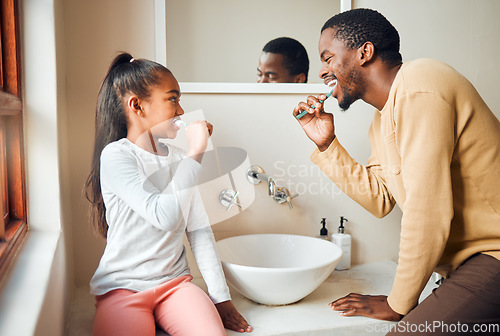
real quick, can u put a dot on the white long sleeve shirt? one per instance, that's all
(151, 201)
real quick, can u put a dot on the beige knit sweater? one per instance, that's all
(436, 152)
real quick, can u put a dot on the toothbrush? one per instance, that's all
(180, 123)
(304, 112)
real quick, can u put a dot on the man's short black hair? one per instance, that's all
(295, 56)
(358, 26)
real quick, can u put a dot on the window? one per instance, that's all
(13, 226)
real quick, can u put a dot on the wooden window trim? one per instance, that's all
(16, 220)
(14, 223)
(10, 47)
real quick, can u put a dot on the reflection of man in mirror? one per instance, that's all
(283, 60)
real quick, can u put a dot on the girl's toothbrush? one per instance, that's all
(304, 112)
(180, 123)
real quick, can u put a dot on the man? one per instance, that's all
(436, 152)
(283, 60)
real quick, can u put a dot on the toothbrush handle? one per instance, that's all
(301, 114)
(304, 112)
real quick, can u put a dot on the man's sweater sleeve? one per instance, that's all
(364, 184)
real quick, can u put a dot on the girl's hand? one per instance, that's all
(198, 133)
(317, 124)
(231, 318)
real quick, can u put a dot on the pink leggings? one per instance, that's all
(177, 306)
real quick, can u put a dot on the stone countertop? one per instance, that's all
(311, 316)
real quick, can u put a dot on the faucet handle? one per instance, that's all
(289, 199)
(228, 198)
(283, 195)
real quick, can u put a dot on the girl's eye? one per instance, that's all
(174, 99)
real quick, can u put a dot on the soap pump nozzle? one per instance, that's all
(324, 230)
(341, 227)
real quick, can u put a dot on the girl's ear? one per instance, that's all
(133, 104)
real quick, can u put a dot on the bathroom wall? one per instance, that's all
(461, 33)
(262, 124)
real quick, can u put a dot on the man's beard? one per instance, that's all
(347, 101)
(348, 95)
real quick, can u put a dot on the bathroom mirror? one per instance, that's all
(220, 41)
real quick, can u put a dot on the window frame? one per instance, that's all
(14, 225)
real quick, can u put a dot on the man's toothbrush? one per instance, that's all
(304, 112)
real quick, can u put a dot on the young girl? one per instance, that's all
(143, 199)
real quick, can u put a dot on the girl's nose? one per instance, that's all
(180, 110)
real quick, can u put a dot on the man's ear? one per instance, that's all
(301, 78)
(366, 53)
(134, 105)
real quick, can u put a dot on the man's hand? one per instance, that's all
(317, 124)
(366, 305)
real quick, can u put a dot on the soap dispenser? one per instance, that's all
(343, 240)
(323, 233)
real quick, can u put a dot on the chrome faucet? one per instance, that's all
(255, 174)
(283, 195)
(271, 184)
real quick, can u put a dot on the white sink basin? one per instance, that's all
(277, 269)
